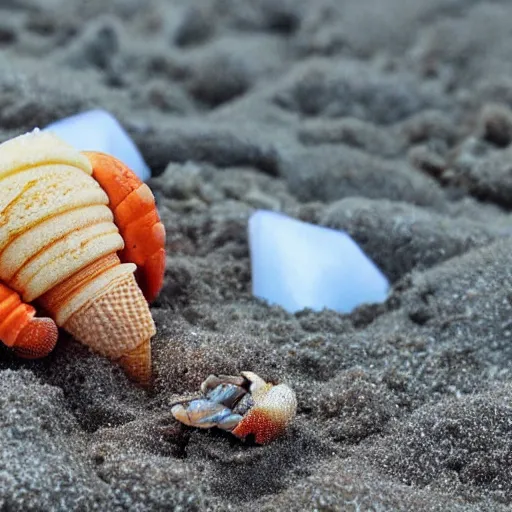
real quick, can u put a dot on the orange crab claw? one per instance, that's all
(136, 216)
(28, 336)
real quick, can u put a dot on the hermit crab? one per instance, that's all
(81, 239)
(244, 405)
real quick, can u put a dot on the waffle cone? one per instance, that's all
(117, 324)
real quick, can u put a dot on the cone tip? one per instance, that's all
(137, 363)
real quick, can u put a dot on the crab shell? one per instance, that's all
(275, 407)
(61, 248)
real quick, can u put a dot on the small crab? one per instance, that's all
(244, 405)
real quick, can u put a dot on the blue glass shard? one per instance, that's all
(98, 130)
(299, 265)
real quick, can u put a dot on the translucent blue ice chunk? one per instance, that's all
(98, 130)
(299, 265)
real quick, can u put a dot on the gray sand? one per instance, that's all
(390, 119)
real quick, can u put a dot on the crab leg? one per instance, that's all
(28, 336)
(136, 216)
(205, 413)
